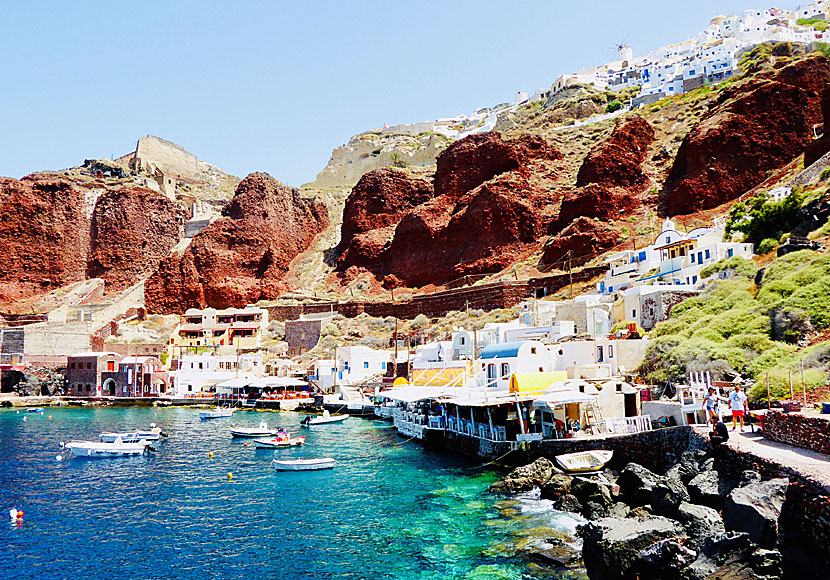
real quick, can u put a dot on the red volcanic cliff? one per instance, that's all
(241, 257)
(618, 161)
(377, 203)
(753, 128)
(818, 148)
(579, 242)
(486, 211)
(132, 231)
(471, 161)
(44, 236)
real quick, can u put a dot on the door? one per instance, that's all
(631, 405)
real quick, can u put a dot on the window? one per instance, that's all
(730, 252)
(668, 240)
(461, 341)
(89, 365)
(634, 313)
(693, 257)
(641, 257)
(694, 279)
(600, 357)
(610, 351)
(201, 366)
(71, 365)
(700, 257)
(532, 350)
(541, 369)
(190, 388)
(365, 364)
(505, 370)
(707, 254)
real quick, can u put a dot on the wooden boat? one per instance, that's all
(584, 461)
(98, 449)
(323, 419)
(215, 414)
(282, 439)
(303, 464)
(135, 436)
(261, 431)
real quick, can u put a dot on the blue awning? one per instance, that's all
(659, 275)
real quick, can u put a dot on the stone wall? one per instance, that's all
(171, 158)
(484, 297)
(302, 335)
(799, 430)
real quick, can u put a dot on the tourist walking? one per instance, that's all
(737, 402)
(710, 405)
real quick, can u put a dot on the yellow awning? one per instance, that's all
(534, 383)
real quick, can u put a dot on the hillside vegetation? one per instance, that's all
(756, 331)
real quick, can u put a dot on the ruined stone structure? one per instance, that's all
(153, 155)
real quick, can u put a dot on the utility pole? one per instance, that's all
(570, 275)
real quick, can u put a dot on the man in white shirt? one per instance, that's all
(737, 401)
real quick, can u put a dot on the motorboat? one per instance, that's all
(34, 410)
(281, 439)
(323, 419)
(584, 461)
(216, 413)
(261, 431)
(97, 449)
(134, 436)
(303, 464)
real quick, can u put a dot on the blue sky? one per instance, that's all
(275, 86)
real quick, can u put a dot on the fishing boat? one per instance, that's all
(261, 431)
(303, 464)
(134, 436)
(215, 414)
(282, 439)
(584, 461)
(97, 449)
(323, 419)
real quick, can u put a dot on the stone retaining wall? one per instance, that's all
(799, 430)
(484, 297)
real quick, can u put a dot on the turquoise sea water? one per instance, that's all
(389, 509)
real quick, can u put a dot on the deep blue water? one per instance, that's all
(389, 509)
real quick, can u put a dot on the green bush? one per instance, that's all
(739, 266)
(613, 106)
(766, 246)
(759, 219)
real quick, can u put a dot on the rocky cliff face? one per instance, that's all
(242, 257)
(132, 231)
(44, 236)
(751, 129)
(485, 211)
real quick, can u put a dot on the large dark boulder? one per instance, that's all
(622, 549)
(756, 509)
(636, 483)
(588, 489)
(558, 486)
(733, 556)
(525, 478)
(667, 496)
(684, 470)
(710, 488)
(702, 523)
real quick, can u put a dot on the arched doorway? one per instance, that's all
(108, 388)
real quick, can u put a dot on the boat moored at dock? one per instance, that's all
(100, 449)
(584, 461)
(303, 464)
(281, 439)
(260, 431)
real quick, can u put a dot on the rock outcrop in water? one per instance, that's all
(241, 257)
(751, 129)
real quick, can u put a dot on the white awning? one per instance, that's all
(412, 394)
(551, 400)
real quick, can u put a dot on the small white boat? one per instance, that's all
(303, 464)
(117, 448)
(282, 439)
(134, 436)
(323, 419)
(34, 410)
(261, 431)
(215, 414)
(584, 461)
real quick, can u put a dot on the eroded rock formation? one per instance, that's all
(752, 128)
(241, 257)
(44, 236)
(580, 241)
(132, 231)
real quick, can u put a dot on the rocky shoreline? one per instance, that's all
(694, 521)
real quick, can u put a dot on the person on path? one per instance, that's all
(737, 402)
(710, 405)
